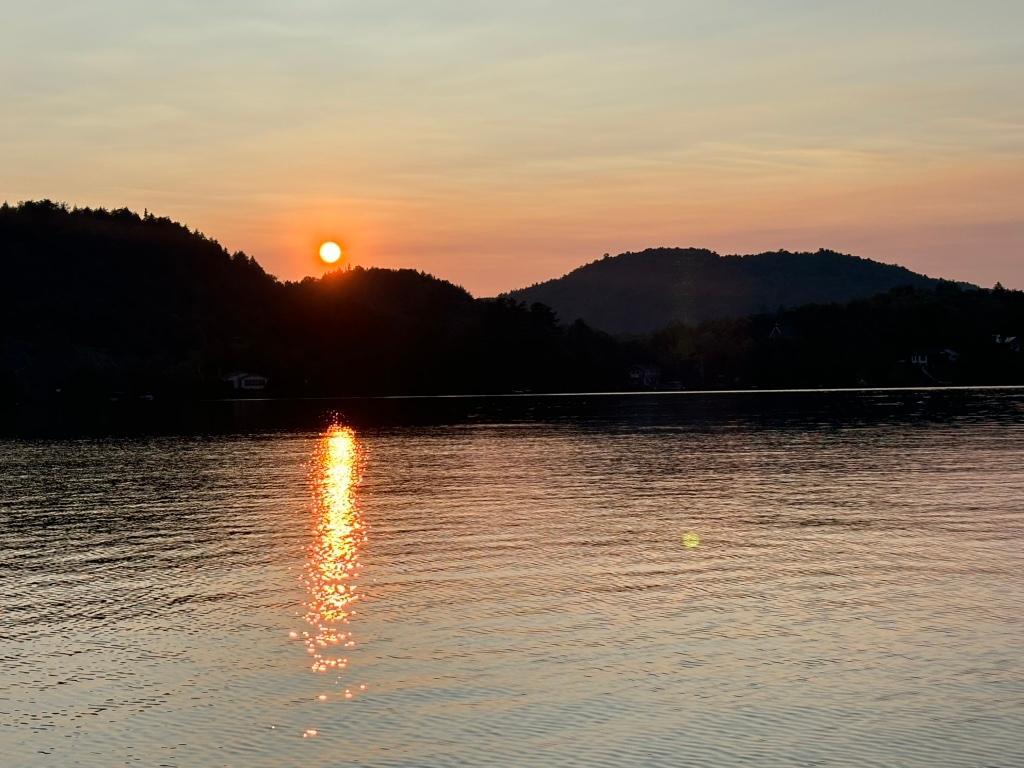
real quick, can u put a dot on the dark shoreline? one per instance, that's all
(770, 407)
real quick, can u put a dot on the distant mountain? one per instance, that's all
(100, 305)
(636, 293)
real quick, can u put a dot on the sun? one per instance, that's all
(330, 252)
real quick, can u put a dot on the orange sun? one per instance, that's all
(330, 252)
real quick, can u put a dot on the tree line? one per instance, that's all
(101, 303)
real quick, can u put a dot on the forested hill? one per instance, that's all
(636, 293)
(97, 302)
(100, 305)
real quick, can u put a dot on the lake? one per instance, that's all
(769, 579)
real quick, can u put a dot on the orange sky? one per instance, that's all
(502, 144)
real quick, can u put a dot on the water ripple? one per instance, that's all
(852, 595)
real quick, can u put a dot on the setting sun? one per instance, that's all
(330, 252)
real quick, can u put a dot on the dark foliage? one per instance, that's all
(110, 304)
(906, 337)
(636, 293)
(97, 302)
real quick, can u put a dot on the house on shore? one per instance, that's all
(242, 381)
(645, 376)
(1011, 343)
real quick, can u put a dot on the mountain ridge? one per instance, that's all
(106, 302)
(643, 291)
(99, 305)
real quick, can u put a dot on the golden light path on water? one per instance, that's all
(332, 564)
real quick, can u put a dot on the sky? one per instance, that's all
(497, 144)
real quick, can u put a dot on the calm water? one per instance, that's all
(769, 580)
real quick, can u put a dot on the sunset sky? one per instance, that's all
(496, 144)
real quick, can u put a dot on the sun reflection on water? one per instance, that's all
(332, 566)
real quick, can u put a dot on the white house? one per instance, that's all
(241, 381)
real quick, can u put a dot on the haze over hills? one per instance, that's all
(636, 293)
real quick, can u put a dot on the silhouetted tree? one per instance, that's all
(97, 303)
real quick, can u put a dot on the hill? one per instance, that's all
(111, 303)
(99, 305)
(636, 293)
